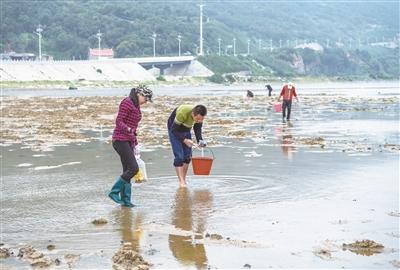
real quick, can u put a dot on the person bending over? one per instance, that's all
(180, 123)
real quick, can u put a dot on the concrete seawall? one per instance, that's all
(90, 70)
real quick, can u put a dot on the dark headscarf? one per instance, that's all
(133, 97)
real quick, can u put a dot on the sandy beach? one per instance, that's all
(280, 195)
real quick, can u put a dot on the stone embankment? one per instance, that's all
(91, 70)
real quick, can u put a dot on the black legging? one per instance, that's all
(286, 104)
(128, 160)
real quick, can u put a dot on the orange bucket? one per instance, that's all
(202, 165)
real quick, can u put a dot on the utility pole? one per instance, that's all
(234, 46)
(98, 35)
(248, 47)
(153, 37)
(201, 29)
(39, 31)
(219, 46)
(179, 44)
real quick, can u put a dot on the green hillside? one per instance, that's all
(70, 28)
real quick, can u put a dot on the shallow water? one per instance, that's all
(273, 200)
(57, 204)
(326, 88)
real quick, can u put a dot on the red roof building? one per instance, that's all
(102, 53)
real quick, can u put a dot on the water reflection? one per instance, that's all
(286, 139)
(190, 214)
(131, 227)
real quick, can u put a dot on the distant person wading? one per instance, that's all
(180, 123)
(124, 142)
(269, 88)
(288, 92)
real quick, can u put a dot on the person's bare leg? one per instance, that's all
(185, 170)
(180, 174)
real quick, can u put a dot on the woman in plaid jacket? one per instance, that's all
(124, 142)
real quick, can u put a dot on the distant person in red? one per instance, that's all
(288, 92)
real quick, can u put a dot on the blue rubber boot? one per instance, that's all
(126, 195)
(116, 190)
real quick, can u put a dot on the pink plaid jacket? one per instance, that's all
(128, 117)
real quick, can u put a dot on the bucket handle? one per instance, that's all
(208, 148)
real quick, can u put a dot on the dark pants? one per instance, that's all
(182, 153)
(286, 104)
(128, 160)
(269, 92)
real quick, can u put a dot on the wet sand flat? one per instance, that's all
(40, 122)
(280, 195)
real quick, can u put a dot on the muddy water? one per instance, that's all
(273, 200)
